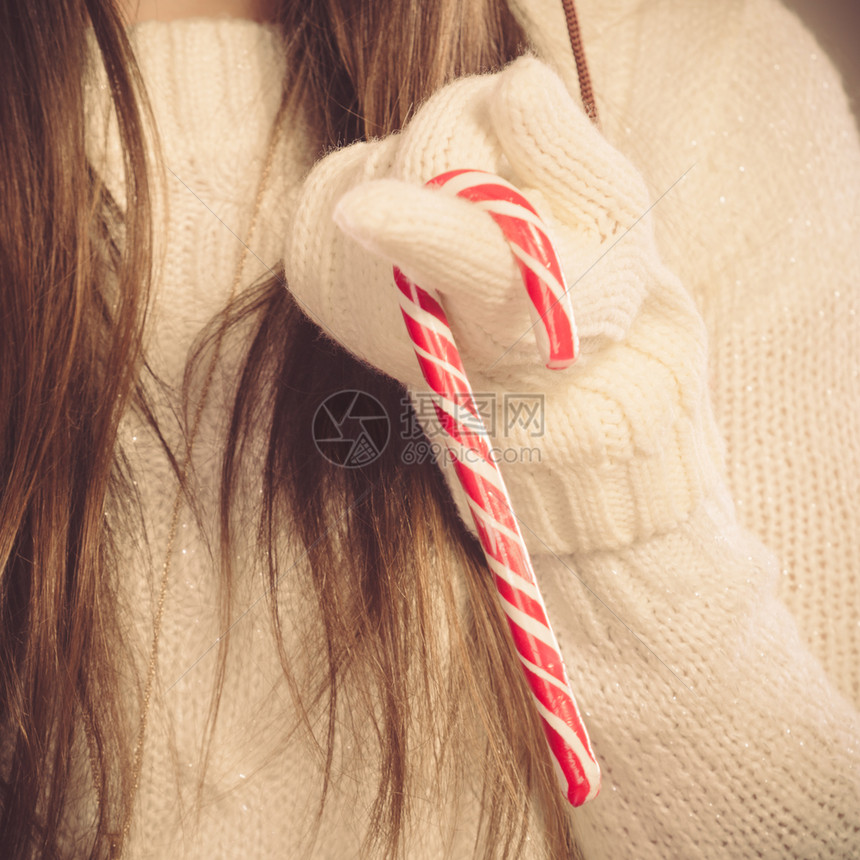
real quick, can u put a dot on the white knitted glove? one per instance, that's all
(629, 423)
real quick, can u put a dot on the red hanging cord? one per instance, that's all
(585, 90)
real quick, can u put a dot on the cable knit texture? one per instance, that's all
(719, 734)
(739, 99)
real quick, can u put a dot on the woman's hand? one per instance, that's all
(629, 423)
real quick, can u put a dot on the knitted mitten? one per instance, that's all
(629, 423)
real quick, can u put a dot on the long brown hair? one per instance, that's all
(412, 599)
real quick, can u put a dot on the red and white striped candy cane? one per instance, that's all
(470, 448)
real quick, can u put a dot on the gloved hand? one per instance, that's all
(627, 444)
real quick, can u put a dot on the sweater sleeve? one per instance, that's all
(739, 99)
(780, 198)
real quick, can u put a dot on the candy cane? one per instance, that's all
(471, 450)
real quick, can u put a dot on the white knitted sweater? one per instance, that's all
(719, 733)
